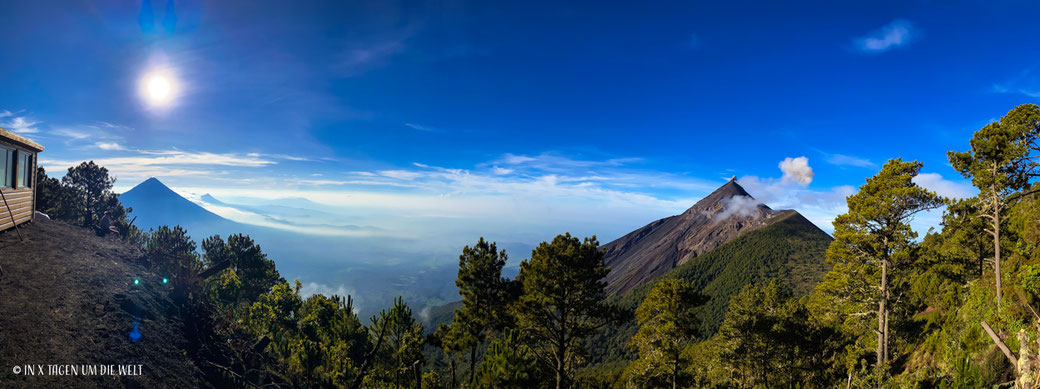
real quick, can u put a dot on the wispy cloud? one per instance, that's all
(848, 160)
(895, 34)
(557, 162)
(141, 164)
(18, 123)
(362, 58)
(420, 128)
(1026, 83)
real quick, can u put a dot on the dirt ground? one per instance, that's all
(68, 298)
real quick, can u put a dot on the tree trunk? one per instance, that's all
(882, 345)
(453, 384)
(996, 250)
(887, 327)
(675, 373)
(472, 365)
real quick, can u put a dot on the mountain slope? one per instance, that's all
(69, 298)
(790, 248)
(658, 247)
(155, 204)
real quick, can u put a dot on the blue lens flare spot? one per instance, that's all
(137, 282)
(164, 280)
(135, 335)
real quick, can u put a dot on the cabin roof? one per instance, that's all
(19, 140)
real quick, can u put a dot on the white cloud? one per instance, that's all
(819, 206)
(848, 160)
(797, 170)
(946, 188)
(401, 174)
(501, 171)
(20, 124)
(312, 288)
(742, 206)
(895, 34)
(109, 146)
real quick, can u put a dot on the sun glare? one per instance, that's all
(158, 88)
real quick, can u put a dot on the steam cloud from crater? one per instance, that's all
(743, 206)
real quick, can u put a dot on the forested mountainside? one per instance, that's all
(790, 249)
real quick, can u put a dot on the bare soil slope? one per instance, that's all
(67, 297)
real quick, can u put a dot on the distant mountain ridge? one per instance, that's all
(665, 244)
(155, 204)
(357, 264)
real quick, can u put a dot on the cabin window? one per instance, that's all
(24, 170)
(6, 167)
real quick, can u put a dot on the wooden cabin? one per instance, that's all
(17, 179)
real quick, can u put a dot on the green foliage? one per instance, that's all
(872, 254)
(1000, 165)
(81, 197)
(998, 162)
(768, 339)
(329, 343)
(90, 189)
(791, 249)
(509, 363)
(668, 323)
(401, 348)
(485, 298)
(253, 273)
(562, 301)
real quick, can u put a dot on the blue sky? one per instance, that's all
(525, 119)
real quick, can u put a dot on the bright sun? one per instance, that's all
(158, 88)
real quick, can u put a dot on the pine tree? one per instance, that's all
(485, 297)
(402, 346)
(999, 165)
(562, 301)
(872, 249)
(668, 324)
(91, 186)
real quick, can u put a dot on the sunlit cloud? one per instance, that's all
(947, 188)
(109, 146)
(797, 170)
(20, 124)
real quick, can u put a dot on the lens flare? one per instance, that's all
(164, 280)
(137, 282)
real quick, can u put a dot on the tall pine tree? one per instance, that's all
(872, 249)
(999, 165)
(562, 301)
(485, 298)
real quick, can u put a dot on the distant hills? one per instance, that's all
(373, 270)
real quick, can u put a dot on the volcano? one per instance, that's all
(662, 245)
